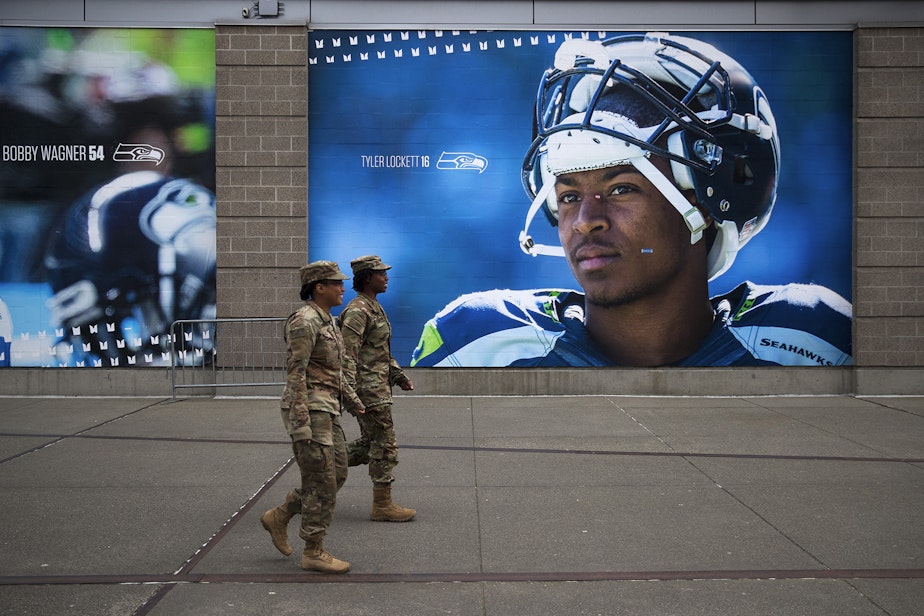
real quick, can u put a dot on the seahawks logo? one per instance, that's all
(462, 160)
(138, 152)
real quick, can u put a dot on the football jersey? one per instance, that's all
(755, 325)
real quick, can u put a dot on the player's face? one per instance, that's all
(623, 240)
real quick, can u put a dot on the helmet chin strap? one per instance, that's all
(527, 244)
(689, 212)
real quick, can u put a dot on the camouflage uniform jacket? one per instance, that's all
(314, 374)
(369, 365)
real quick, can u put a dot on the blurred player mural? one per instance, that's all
(107, 207)
(584, 198)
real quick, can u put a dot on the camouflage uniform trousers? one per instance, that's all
(377, 445)
(323, 465)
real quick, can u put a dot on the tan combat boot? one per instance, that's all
(383, 510)
(316, 558)
(276, 522)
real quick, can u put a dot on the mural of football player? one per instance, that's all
(657, 157)
(64, 87)
(131, 257)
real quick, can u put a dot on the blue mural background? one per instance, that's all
(408, 96)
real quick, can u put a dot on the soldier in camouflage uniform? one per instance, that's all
(315, 393)
(374, 371)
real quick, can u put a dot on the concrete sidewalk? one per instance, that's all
(526, 506)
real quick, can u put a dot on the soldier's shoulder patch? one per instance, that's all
(298, 332)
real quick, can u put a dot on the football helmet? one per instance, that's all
(131, 258)
(621, 100)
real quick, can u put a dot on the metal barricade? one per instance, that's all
(217, 353)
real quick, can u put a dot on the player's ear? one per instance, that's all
(711, 229)
(691, 197)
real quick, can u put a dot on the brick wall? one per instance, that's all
(889, 255)
(261, 167)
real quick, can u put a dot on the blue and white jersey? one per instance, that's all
(756, 325)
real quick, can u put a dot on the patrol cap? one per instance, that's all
(372, 262)
(320, 270)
